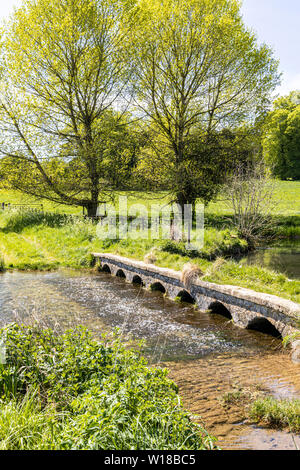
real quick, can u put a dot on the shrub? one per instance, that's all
(2, 263)
(102, 395)
(179, 248)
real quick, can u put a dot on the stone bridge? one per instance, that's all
(247, 308)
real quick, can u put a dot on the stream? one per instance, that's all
(284, 259)
(207, 355)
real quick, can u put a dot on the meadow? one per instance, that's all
(286, 196)
(60, 237)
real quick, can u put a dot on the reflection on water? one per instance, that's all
(172, 330)
(283, 259)
(206, 354)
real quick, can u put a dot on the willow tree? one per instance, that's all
(63, 72)
(198, 70)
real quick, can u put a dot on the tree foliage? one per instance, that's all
(63, 71)
(70, 67)
(281, 139)
(197, 71)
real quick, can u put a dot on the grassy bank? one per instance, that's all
(33, 241)
(71, 392)
(264, 410)
(277, 413)
(37, 241)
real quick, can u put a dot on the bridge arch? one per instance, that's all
(105, 268)
(120, 273)
(137, 280)
(184, 296)
(263, 325)
(157, 286)
(220, 309)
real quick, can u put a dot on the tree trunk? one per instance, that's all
(92, 205)
(182, 200)
(91, 208)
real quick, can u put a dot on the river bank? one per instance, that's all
(207, 355)
(42, 241)
(83, 394)
(284, 257)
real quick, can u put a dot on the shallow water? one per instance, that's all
(283, 259)
(206, 354)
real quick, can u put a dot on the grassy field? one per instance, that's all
(286, 196)
(36, 241)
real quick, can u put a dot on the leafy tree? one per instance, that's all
(63, 70)
(205, 164)
(281, 139)
(197, 71)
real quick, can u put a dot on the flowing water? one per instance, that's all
(207, 355)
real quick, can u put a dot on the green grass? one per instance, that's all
(31, 240)
(24, 425)
(286, 196)
(72, 392)
(258, 279)
(44, 242)
(262, 409)
(277, 413)
(36, 241)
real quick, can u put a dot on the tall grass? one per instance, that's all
(17, 220)
(37, 241)
(24, 425)
(277, 413)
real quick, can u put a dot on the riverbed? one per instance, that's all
(207, 355)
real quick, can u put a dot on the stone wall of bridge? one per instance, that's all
(247, 308)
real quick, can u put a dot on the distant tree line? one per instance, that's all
(281, 137)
